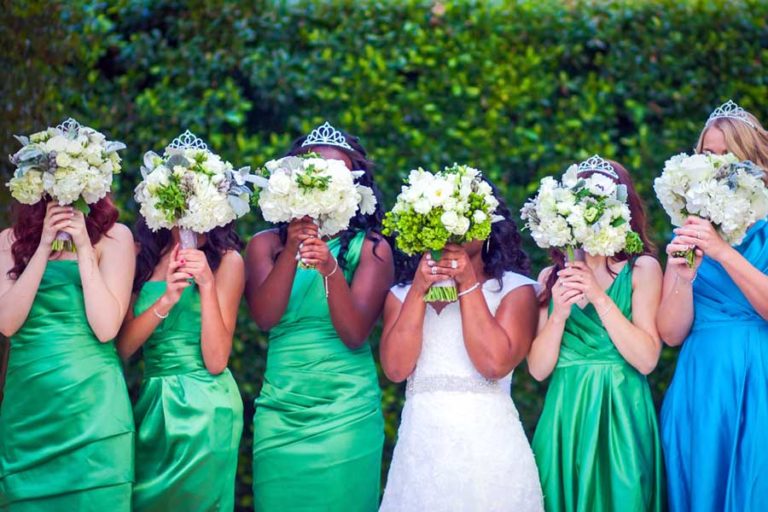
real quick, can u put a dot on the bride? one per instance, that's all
(461, 445)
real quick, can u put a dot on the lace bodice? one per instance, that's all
(444, 363)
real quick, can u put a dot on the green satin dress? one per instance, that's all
(189, 422)
(597, 441)
(318, 426)
(66, 428)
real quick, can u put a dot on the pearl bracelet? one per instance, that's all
(469, 290)
(158, 315)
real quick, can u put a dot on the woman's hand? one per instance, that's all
(56, 219)
(701, 234)
(195, 264)
(428, 274)
(78, 230)
(455, 264)
(680, 263)
(562, 299)
(578, 276)
(300, 230)
(314, 252)
(175, 279)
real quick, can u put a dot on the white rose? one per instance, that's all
(479, 216)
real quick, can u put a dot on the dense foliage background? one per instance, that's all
(517, 88)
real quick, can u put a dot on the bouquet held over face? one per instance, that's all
(586, 211)
(730, 194)
(70, 164)
(453, 206)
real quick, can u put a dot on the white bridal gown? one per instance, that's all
(460, 446)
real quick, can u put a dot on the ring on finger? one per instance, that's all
(454, 264)
(434, 270)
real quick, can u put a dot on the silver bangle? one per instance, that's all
(158, 315)
(469, 290)
(325, 278)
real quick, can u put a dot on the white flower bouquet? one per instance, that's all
(191, 188)
(434, 209)
(70, 164)
(719, 188)
(588, 213)
(295, 187)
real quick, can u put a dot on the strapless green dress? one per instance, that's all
(318, 426)
(189, 422)
(66, 429)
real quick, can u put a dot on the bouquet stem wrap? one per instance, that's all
(188, 238)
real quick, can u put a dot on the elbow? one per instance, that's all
(106, 335)
(216, 369)
(537, 374)
(353, 342)
(494, 369)
(670, 339)
(647, 367)
(8, 330)
(395, 374)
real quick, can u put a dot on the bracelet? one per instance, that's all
(469, 290)
(605, 309)
(325, 277)
(158, 315)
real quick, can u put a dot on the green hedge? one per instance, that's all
(519, 89)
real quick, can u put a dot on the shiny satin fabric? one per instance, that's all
(318, 426)
(189, 421)
(715, 415)
(66, 428)
(597, 443)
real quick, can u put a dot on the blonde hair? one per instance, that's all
(741, 139)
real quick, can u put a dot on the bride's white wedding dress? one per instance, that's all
(460, 445)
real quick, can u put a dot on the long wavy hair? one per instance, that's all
(638, 223)
(502, 252)
(369, 224)
(741, 139)
(28, 229)
(153, 245)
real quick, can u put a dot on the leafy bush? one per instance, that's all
(517, 88)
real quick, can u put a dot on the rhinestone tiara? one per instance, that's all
(596, 163)
(187, 140)
(69, 125)
(326, 135)
(730, 110)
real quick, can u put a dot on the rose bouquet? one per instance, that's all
(719, 188)
(70, 164)
(454, 205)
(191, 188)
(295, 187)
(588, 213)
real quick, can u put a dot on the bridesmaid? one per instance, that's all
(66, 429)
(715, 414)
(597, 443)
(189, 414)
(318, 426)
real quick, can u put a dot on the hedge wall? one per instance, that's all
(517, 88)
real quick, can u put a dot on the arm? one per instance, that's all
(137, 329)
(269, 280)
(17, 295)
(675, 312)
(401, 337)
(637, 340)
(495, 344)
(750, 280)
(545, 349)
(219, 299)
(107, 279)
(354, 309)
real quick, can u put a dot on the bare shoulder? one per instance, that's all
(6, 239)
(377, 246)
(647, 266)
(120, 233)
(232, 259)
(544, 274)
(269, 239)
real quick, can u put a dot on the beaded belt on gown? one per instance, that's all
(453, 383)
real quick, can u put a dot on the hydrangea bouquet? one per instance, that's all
(70, 164)
(588, 213)
(454, 205)
(191, 188)
(729, 193)
(307, 185)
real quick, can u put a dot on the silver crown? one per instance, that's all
(596, 163)
(70, 125)
(326, 135)
(730, 110)
(187, 140)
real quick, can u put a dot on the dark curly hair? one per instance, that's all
(502, 252)
(370, 224)
(154, 244)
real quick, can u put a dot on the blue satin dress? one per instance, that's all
(714, 421)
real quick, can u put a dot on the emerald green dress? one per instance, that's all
(189, 422)
(66, 429)
(318, 427)
(597, 441)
